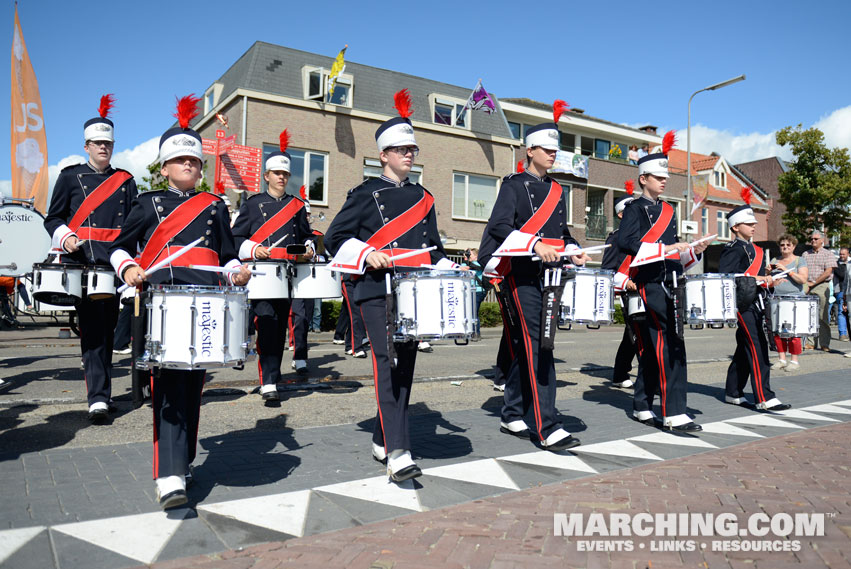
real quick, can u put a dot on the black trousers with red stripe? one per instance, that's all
(505, 355)
(270, 318)
(530, 388)
(176, 401)
(750, 359)
(664, 356)
(392, 385)
(301, 314)
(624, 357)
(354, 332)
(97, 319)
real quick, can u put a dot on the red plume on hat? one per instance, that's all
(559, 107)
(669, 141)
(629, 186)
(402, 102)
(520, 166)
(106, 104)
(302, 193)
(187, 109)
(284, 140)
(747, 194)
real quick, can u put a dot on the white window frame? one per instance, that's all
(724, 231)
(467, 175)
(342, 79)
(373, 163)
(455, 103)
(704, 218)
(722, 176)
(291, 188)
(209, 100)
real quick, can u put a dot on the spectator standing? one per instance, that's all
(632, 155)
(820, 264)
(792, 283)
(645, 150)
(840, 287)
(471, 259)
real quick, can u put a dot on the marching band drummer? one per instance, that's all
(618, 261)
(90, 203)
(530, 217)
(648, 232)
(739, 256)
(263, 220)
(159, 223)
(384, 217)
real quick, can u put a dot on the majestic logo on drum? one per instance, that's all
(207, 325)
(9, 217)
(452, 302)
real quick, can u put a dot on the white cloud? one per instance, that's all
(135, 160)
(836, 128)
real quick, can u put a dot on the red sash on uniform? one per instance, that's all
(278, 220)
(400, 225)
(753, 270)
(658, 228)
(540, 217)
(97, 197)
(173, 224)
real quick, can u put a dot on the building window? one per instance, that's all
(308, 168)
(567, 141)
(723, 231)
(595, 223)
(473, 196)
(568, 201)
(720, 179)
(372, 169)
(516, 129)
(601, 148)
(704, 221)
(587, 146)
(316, 87)
(209, 100)
(448, 111)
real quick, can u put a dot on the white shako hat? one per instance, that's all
(100, 127)
(545, 134)
(280, 159)
(742, 213)
(623, 201)
(182, 140)
(657, 164)
(397, 131)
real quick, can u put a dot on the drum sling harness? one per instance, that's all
(284, 216)
(91, 203)
(174, 223)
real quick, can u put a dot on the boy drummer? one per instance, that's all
(159, 223)
(384, 217)
(739, 256)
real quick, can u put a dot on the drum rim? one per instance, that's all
(175, 289)
(434, 274)
(711, 276)
(60, 266)
(591, 270)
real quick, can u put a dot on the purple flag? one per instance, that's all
(481, 100)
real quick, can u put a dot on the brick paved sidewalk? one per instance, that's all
(807, 472)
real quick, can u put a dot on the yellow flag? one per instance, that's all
(336, 69)
(29, 142)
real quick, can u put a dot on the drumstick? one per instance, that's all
(595, 249)
(411, 253)
(166, 261)
(215, 269)
(707, 238)
(278, 242)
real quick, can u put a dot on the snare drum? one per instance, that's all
(274, 283)
(711, 300)
(589, 297)
(196, 327)
(100, 282)
(58, 284)
(315, 280)
(635, 307)
(435, 305)
(794, 316)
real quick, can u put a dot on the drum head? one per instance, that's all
(23, 240)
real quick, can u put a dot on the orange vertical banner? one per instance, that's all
(29, 141)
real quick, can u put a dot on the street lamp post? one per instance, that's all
(688, 133)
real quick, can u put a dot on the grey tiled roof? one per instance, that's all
(531, 103)
(276, 70)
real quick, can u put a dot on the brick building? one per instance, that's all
(764, 175)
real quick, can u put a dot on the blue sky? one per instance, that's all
(632, 63)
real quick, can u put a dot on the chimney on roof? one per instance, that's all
(577, 111)
(649, 129)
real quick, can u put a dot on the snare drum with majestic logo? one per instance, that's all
(435, 305)
(196, 327)
(711, 300)
(589, 298)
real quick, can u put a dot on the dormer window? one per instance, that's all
(448, 111)
(720, 179)
(317, 87)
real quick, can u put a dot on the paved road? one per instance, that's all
(76, 495)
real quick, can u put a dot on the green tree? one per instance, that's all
(155, 181)
(816, 189)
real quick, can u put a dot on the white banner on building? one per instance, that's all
(570, 163)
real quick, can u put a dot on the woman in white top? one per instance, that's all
(792, 283)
